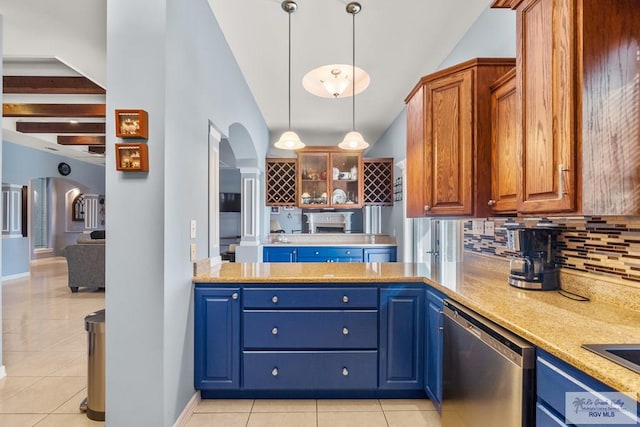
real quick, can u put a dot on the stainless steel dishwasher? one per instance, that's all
(488, 373)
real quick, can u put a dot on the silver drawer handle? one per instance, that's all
(345, 372)
(274, 372)
(345, 299)
(317, 253)
(274, 331)
(274, 299)
(345, 331)
(348, 252)
(234, 295)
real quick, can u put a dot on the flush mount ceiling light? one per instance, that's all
(353, 140)
(289, 140)
(334, 81)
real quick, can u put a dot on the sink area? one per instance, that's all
(627, 355)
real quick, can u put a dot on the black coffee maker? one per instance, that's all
(533, 266)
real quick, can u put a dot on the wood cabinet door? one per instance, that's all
(417, 175)
(546, 84)
(504, 146)
(449, 144)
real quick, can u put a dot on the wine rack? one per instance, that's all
(281, 182)
(378, 182)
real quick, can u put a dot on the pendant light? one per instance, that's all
(353, 140)
(289, 140)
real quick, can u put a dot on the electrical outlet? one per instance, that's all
(489, 228)
(193, 228)
(477, 227)
(193, 252)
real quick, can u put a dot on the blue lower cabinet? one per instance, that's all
(217, 338)
(401, 338)
(433, 347)
(343, 298)
(310, 370)
(554, 379)
(380, 254)
(329, 254)
(279, 254)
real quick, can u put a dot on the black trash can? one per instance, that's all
(94, 403)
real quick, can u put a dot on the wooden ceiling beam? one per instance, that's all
(97, 149)
(60, 127)
(51, 85)
(81, 140)
(53, 110)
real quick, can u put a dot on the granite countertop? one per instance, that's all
(330, 239)
(546, 319)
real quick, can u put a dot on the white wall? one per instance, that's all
(184, 76)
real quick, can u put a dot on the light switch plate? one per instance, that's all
(477, 227)
(193, 252)
(489, 228)
(193, 228)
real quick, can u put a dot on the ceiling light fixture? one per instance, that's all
(289, 140)
(353, 140)
(334, 81)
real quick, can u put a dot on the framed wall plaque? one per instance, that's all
(132, 124)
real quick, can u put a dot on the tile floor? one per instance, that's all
(44, 353)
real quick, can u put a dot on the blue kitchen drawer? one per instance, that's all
(546, 418)
(330, 259)
(342, 298)
(310, 370)
(304, 329)
(322, 253)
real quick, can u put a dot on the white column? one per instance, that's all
(407, 223)
(248, 251)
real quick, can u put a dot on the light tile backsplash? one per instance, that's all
(608, 246)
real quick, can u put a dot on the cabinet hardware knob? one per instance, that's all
(317, 253)
(345, 299)
(234, 295)
(491, 202)
(274, 299)
(274, 372)
(345, 331)
(427, 208)
(348, 252)
(274, 331)
(345, 372)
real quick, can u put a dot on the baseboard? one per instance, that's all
(16, 276)
(3, 372)
(191, 406)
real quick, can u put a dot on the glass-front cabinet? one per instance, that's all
(330, 177)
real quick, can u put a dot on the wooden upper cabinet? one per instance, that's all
(449, 125)
(577, 67)
(416, 173)
(504, 145)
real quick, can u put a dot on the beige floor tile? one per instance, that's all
(37, 364)
(44, 396)
(72, 406)
(75, 342)
(224, 405)
(284, 405)
(349, 405)
(10, 386)
(68, 420)
(282, 419)
(20, 420)
(412, 418)
(351, 419)
(218, 420)
(407, 405)
(77, 368)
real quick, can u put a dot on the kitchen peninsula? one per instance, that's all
(384, 298)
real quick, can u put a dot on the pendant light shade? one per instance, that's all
(353, 140)
(289, 140)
